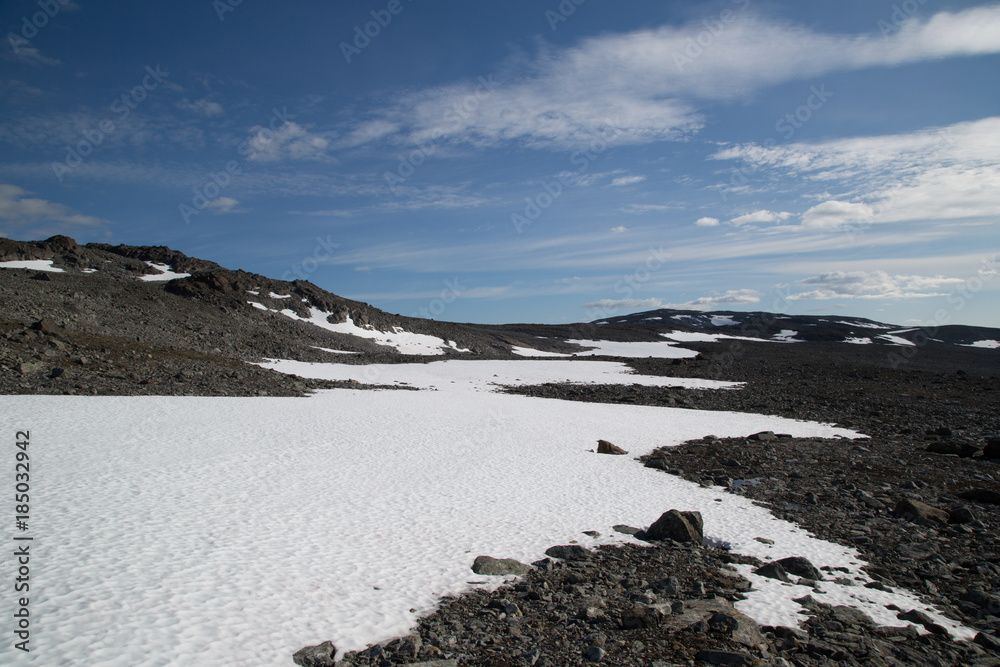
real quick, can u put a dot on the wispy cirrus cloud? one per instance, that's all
(942, 173)
(18, 210)
(628, 88)
(737, 297)
(873, 285)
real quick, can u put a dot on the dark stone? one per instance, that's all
(493, 567)
(595, 654)
(772, 570)
(800, 567)
(43, 276)
(625, 530)
(961, 514)
(850, 616)
(916, 511)
(920, 618)
(321, 655)
(641, 617)
(723, 658)
(988, 642)
(605, 447)
(46, 326)
(953, 447)
(763, 436)
(568, 552)
(683, 527)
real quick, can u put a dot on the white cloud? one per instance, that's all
(872, 285)
(834, 214)
(627, 180)
(635, 87)
(290, 142)
(203, 107)
(613, 305)
(18, 210)
(639, 209)
(707, 222)
(760, 216)
(730, 298)
(225, 205)
(21, 50)
(935, 174)
(619, 229)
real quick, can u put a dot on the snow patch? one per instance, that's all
(33, 264)
(987, 344)
(897, 340)
(858, 341)
(166, 273)
(404, 341)
(609, 348)
(723, 321)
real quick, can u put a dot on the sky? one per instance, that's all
(525, 161)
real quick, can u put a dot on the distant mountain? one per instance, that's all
(808, 328)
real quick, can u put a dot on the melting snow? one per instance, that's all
(786, 336)
(723, 321)
(896, 340)
(532, 352)
(33, 264)
(166, 273)
(859, 341)
(280, 296)
(608, 348)
(988, 344)
(864, 325)
(221, 531)
(404, 341)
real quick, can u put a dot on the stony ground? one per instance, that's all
(918, 499)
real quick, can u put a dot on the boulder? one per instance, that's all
(683, 527)
(920, 618)
(763, 436)
(916, 511)
(953, 448)
(772, 570)
(568, 552)
(605, 447)
(321, 655)
(495, 567)
(800, 567)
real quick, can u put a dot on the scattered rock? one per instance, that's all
(772, 570)
(800, 567)
(914, 510)
(568, 552)
(684, 527)
(605, 447)
(494, 567)
(321, 655)
(987, 496)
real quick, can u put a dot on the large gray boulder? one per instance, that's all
(495, 567)
(321, 655)
(683, 527)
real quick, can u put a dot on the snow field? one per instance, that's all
(220, 531)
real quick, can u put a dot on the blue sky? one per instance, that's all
(536, 161)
